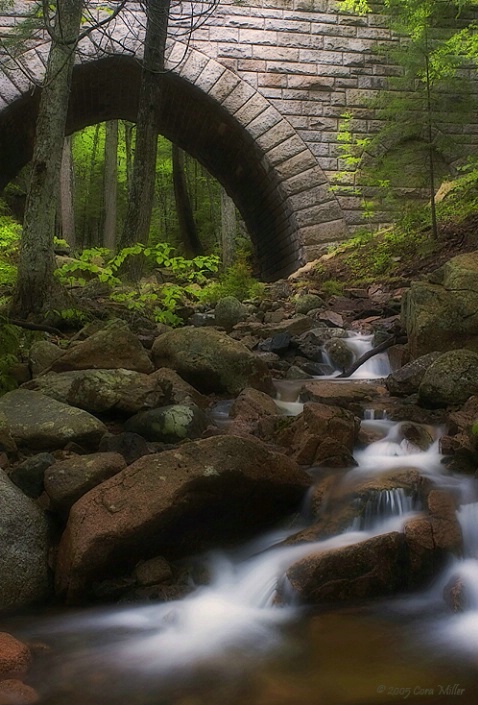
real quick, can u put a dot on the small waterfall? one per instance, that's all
(382, 506)
(468, 518)
(376, 367)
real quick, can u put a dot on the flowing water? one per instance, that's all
(229, 642)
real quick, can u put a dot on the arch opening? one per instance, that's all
(108, 89)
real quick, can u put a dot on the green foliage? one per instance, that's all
(236, 281)
(10, 234)
(73, 317)
(332, 287)
(9, 350)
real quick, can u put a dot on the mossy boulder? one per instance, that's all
(450, 380)
(169, 424)
(228, 312)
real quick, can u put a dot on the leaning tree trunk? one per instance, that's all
(140, 198)
(35, 282)
(187, 226)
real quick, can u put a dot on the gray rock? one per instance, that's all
(450, 380)
(169, 424)
(228, 312)
(68, 480)
(42, 355)
(28, 476)
(308, 302)
(131, 446)
(407, 379)
(339, 353)
(24, 554)
(36, 421)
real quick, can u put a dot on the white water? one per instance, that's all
(376, 367)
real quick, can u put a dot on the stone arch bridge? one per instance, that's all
(255, 94)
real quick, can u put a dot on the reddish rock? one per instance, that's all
(316, 425)
(204, 493)
(372, 568)
(15, 657)
(354, 396)
(445, 526)
(248, 410)
(14, 692)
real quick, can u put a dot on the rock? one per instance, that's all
(317, 424)
(332, 318)
(424, 561)
(42, 355)
(446, 529)
(277, 344)
(15, 657)
(36, 421)
(454, 594)
(249, 410)
(211, 361)
(228, 312)
(353, 396)
(295, 372)
(14, 692)
(68, 480)
(24, 554)
(373, 568)
(115, 346)
(293, 326)
(169, 424)
(131, 446)
(7, 444)
(450, 380)
(153, 572)
(417, 437)
(307, 302)
(442, 314)
(198, 319)
(406, 380)
(101, 391)
(339, 353)
(176, 503)
(28, 476)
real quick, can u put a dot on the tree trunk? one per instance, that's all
(228, 229)
(111, 184)
(35, 282)
(187, 226)
(90, 222)
(140, 200)
(67, 188)
(128, 143)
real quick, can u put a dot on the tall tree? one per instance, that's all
(228, 228)
(67, 187)
(140, 203)
(110, 184)
(187, 225)
(36, 265)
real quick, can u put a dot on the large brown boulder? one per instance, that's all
(211, 361)
(354, 396)
(442, 314)
(373, 568)
(308, 438)
(205, 493)
(113, 347)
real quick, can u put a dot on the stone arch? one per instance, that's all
(217, 117)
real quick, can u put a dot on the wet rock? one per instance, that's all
(28, 476)
(450, 380)
(36, 421)
(176, 503)
(295, 372)
(454, 594)
(115, 346)
(407, 379)
(68, 480)
(211, 361)
(15, 657)
(339, 353)
(228, 312)
(131, 446)
(418, 437)
(317, 424)
(153, 572)
(277, 344)
(424, 560)
(24, 554)
(169, 424)
(372, 568)
(353, 396)
(42, 355)
(446, 529)
(14, 692)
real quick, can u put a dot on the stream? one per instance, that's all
(230, 643)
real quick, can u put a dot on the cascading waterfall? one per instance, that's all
(382, 506)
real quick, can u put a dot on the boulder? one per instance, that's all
(115, 346)
(153, 572)
(307, 302)
(14, 692)
(353, 396)
(101, 391)
(340, 355)
(407, 379)
(316, 425)
(373, 568)
(442, 314)
(450, 380)
(169, 424)
(249, 411)
(42, 355)
(211, 361)
(68, 480)
(205, 493)
(131, 446)
(228, 312)
(24, 555)
(15, 657)
(36, 421)
(28, 476)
